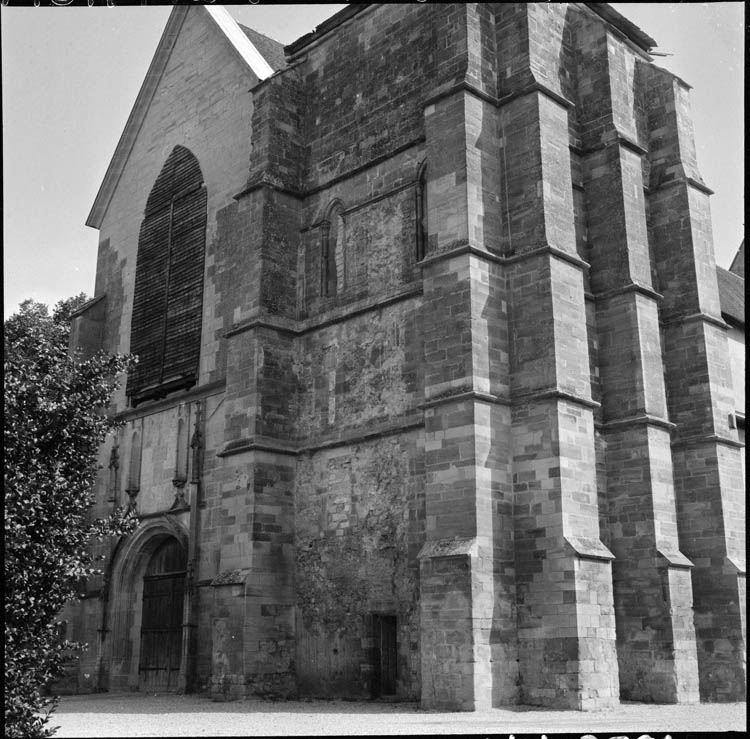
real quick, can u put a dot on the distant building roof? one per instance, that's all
(731, 295)
(738, 263)
(272, 51)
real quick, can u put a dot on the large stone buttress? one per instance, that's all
(504, 447)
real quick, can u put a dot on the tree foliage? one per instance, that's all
(55, 420)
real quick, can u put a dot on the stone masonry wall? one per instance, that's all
(516, 449)
(639, 501)
(209, 114)
(359, 519)
(705, 451)
(357, 113)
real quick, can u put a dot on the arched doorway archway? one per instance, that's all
(161, 618)
(136, 556)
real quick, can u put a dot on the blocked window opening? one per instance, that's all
(168, 297)
(134, 466)
(421, 213)
(181, 455)
(332, 251)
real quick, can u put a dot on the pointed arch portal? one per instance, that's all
(153, 559)
(161, 620)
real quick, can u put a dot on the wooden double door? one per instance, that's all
(161, 620)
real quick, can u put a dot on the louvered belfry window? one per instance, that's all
(168, 300)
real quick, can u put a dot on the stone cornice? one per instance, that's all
(309, 40)
(586, 547)
(554, 251)
(147, 408)
(409, 184)
(267, 184)
(269, 322)
(682, 181)
(352, 436)
(540, 88)
(456, 87)
(617, 138)
(506, 259)
(554, 394)
(673, 557)
(701, 439)
(453, 546)
(338, 314)
(498, 102)
(458, 250)
(644, 420)
(257, 444)
(466, 395)
(693, 317)
(635, 287)
(263, 182)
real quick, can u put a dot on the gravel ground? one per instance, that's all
(137, 714)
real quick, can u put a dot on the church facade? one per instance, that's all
(434, 397)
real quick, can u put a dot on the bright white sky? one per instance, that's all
(71, 75)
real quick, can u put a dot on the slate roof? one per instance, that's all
(272, 51)
(731, 295)
(738, 263)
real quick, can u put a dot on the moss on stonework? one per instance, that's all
(343, 568)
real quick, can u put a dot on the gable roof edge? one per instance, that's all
(241, 44)
(137, 116)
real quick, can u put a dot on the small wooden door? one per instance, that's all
(385, 655)
(161, 623)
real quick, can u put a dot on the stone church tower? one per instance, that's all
(434, 397)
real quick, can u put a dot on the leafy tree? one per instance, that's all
(55, 420)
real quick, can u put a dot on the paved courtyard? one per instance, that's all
(137, 714)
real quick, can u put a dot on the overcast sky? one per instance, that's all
(70, 77)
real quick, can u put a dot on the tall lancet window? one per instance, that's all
(332, 250)
(421, 214)
(168, 297)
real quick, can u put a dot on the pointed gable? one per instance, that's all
(239, 41)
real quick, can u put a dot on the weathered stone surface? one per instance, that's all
(498, 465)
